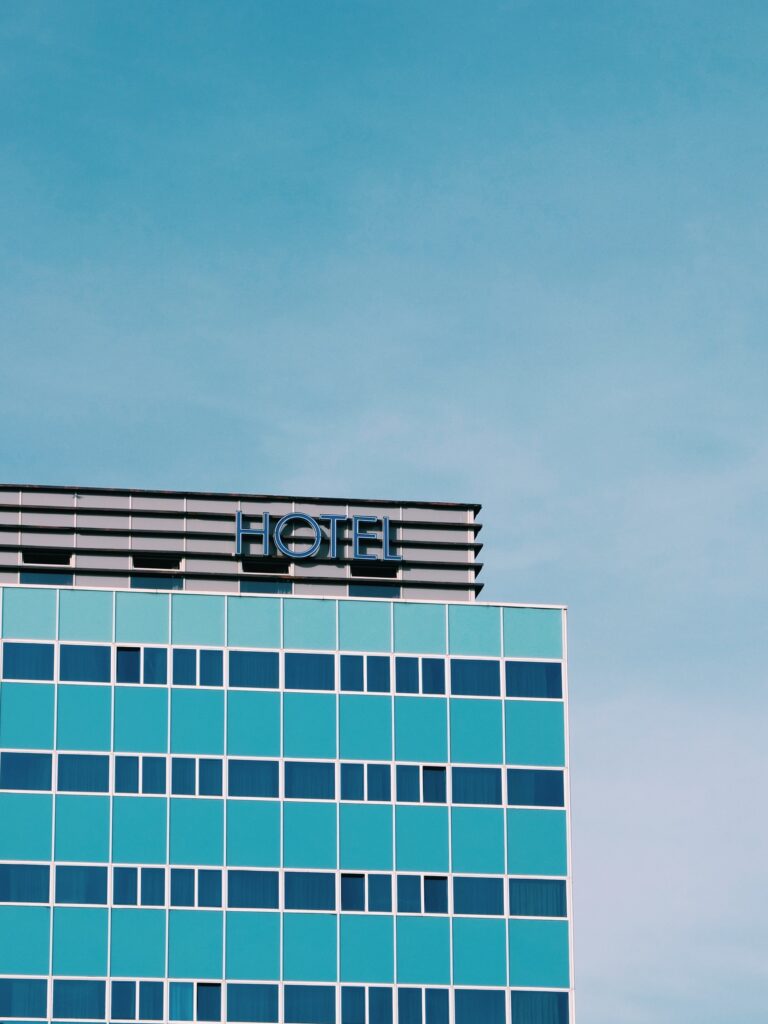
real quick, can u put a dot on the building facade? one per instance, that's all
(269, 759)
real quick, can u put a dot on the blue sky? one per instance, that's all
(508, 252)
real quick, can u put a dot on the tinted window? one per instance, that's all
(126, 775)
(351, 672)
(155, 666)
(152, 887)
(379, 1006)
(22, 997)
(309, 672)
(475, 678)
(409, 894)
(208, 887)
(379, 782)
(408, 783)
(128, 665)
(151, 1000)
(77, 1000)
(23, 883)
(124, 1000)
(380, 892)
(252, 889)
(183, 776)
(407, 675)
(310, 1004)
(81, 884)
(353, 892)
(538, 1007)
(310, 890)
(258, 670)
(474, 1005)
(434, 785)
(378, 674)
(435, 895)
(210, 776)
(81, 664)
(27, 661)
(182, 887)
(476, 785)
(534, 679)
(432, 675)
(352, 782)
(310, 780)
(25, 771)
(253, 778)
(125, 886)
(535, 787)
(478, 896)
(83, 773)
(352, 1005)
(184, 667)
(409, 1006)
(153, 775)
(211, 668)
(250, 1003)
(436, 1004)
(537, 897)
(208, 1001)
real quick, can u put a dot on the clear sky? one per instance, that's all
(508, 252)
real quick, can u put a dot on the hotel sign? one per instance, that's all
(364, 530)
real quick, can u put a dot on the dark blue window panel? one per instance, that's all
(83, 773)
(435, 895)
(157, 583)
(352, 782)
(78, 1000)
(471, 678)
(475, 1005)
(252, 1003)
(208, 1001)
(128, 665)
(151, 1000)
(409, 894)
(534, 679)
(408, 784)
(434, 785)
(24, 883)
(181, 1000)
(27, 661)
(211, 668)
(432, 675)
(266, 587)
(81, 664)
(25, 771)
(352, 672)
(373, 590)
(378, 674)
(184, 667)
(478, 896)
(407, 675)
(310, 890)
(409, 1006)
(537, 897)
(379, 782)
(309, 672)
(380, 893)
(253, 778)
(152, 887)
(379, 1006)
(46, 579)
(155, 666)
(123, 1000)
(353, 892)
(126, 774)
(535, 787)
(352, 1005)
(209, 887)
(183, 776)
(310, 1004)
(252, 890)
(539, 1008)
(81, 884)
(125, 886)
(23, 997)
(476, 785)
(182, 887)
(257, 670)
(310, 780)
(210, 776)
(436, 1006)
(153, 775)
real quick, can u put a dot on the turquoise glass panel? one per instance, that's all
(533, 633)
(26, 716)
(538, 954)
(197, 619)
(423, 951)
(25, 826)
(365, 837)
(309, 623)
(535, 732)
(24, 939)
(253, 833)
(29, 614)
(309, 724)
(253, 621)
(139, 830)
(85, 615)
(309, 947)
(141, 618)
(477, 840)
(141, 719)
(474, 629)
(84, 717)
(367, 948)
(476, 731)
(419, 628)
(253, 946)
(195, 943)
(421, 729)
(82, 828)
(479, 951)
(365, 626)
(197, 721)
(253, 724)
(309, 835)
(536, 842)
(365, 727)
(197, 831)
(137, 943)
(80, 940)
(421, 835)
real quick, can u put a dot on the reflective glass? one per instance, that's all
(254, 669)
(128, 665)
(535, 787)
(83, 773)
(25, 771)
(309, 672)
(352, 672)
(310, 780)
(253, 778)
(472, 678)
(252, 890)
(476, 785)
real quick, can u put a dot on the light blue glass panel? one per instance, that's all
(533, 633)
(423, 951)
(141, 618)
(535, 732)
(309, 835)
(26, 716)
(80, 940)
(85, 615)
(476, 731)
(253, 946)
(419, 628)
(84, 717)
(421, 835)
(253, 833)
(197, 831)
(536, 842)
(477, 841)
(137, 943)
(253, 723)
(195, 941)
(139, 830)
(309, 947)
(82, 828)
(29, 614)
(25, 826)
(197, 619)
(309, 623)
(141, 719)
(24, 939)
(366, 837)
(197, 721)
(367, 948)
(365, 727)
(253, 622)
(309, 724)
(365, 626)
(421, 729)
(474, 629)
(479, 951)
(538, 954)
